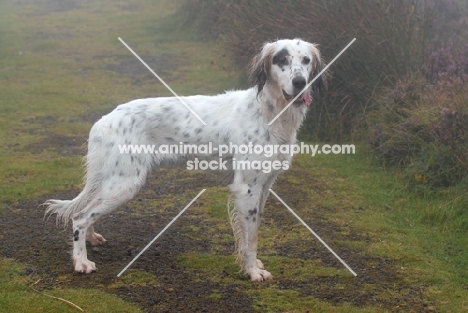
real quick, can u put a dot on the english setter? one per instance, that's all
(279, 73)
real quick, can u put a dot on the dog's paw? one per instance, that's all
(260, 275)
(95, 239)
(85, 266)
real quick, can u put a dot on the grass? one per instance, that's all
(17, 295)
(373, 202)
(412, 229)
(58, 75)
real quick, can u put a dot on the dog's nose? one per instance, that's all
(299, 82)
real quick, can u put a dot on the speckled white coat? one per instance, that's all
(279, 72)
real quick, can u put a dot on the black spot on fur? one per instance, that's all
(186, 135)
(252, 212)
(198, 130)
(76, 235)
(117, 163)
(166, 109)
(132, 158)
(280, 58)
(138, 172)
(169, 138)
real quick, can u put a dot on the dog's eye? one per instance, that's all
(305, 61)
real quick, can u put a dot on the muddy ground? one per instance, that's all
(45, 249)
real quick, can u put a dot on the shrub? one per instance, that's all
(424, 129)
(446, 62)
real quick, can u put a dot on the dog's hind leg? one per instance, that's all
(107, 201)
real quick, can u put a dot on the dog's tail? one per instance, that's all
(66, 209)
(94, 162)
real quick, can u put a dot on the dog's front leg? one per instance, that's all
(245, 219)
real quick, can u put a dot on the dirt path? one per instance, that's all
(45, 249)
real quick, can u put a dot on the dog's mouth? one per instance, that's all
(305, 98)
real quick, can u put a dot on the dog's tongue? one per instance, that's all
(307, 99)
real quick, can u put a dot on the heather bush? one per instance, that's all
(446, 62)
(424, 130)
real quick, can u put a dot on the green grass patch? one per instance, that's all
(23, 178)
(136, 278)
(16, 295)
(275, 300)
(424, 233)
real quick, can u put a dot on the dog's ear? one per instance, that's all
(318, 65)
(260, 67)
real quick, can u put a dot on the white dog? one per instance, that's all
(280, 72)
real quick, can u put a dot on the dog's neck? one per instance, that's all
(285, 127)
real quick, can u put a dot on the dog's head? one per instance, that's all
(288, 66)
